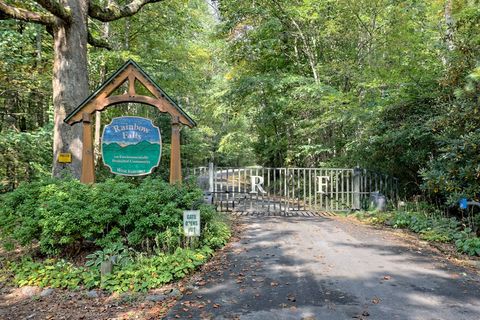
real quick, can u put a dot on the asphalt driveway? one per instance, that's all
(329, 268)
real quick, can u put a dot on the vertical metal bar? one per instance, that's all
(274, 188)
(331, 196)
(337, 190)
(268, 190)
(298, 189)
(310, 188)
(285, 186)
(304, 200)
(342, 188)
(315, 189)
(349, 189)
(227, 192)
(251, 194)
(290, 187)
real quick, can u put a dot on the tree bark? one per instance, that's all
(450, 25)
(70, 85)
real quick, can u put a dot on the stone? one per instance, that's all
(46, 292)
(92, 294)
(30, 291)
(106, 268)
(156, 297)
(175, 293)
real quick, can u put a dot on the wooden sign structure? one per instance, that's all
(104, 97)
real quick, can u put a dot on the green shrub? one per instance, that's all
(467, 242)
(64, 215)
(216, 234)
(454, 173)
(152, 272)
(470, 246)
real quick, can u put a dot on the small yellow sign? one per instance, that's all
(65, 158)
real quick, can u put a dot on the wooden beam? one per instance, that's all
(104, 99)
(88, 168)
(175, 160)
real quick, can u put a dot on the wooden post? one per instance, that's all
(88, 169)
(175, 161)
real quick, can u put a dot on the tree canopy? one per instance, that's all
(388, 85)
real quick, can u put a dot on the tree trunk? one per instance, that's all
(450, 25)
(70, 86)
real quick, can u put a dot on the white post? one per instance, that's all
(210, 177)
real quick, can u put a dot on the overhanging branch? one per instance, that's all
(96, 42)
(12, 12)
(114, 11)
(57, 9)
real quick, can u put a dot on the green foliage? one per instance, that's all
(470, 246)
(151, 272)
(115, 253)
(456, 173)
(64, 215)
(467, 242)
(216, 233)
(53, 273)
(120, 216)
(430, 227)
(24, 156)
(139, 275)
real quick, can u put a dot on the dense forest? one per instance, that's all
(388, 85)
(375, 86)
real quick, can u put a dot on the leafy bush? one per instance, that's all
(467, 242)
(117, 253)
(430, 227)
(455, 173)
(140, 275)
(65, 215)
(151, 272)
(24, 156)
(54, 273)
(470, 246)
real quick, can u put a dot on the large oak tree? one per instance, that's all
(67, 21)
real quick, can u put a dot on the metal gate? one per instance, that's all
(294, 189)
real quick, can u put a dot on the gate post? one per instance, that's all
(210, 177)
(356, 188)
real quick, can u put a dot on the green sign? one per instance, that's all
(131, 146)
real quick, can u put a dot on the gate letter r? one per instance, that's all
(256, 184)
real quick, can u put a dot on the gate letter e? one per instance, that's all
(256, 184)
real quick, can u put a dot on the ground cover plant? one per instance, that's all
(430, 224)
(134, 226)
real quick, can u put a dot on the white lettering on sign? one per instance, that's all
(322, 182)
(257, 182)
(191, 223)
